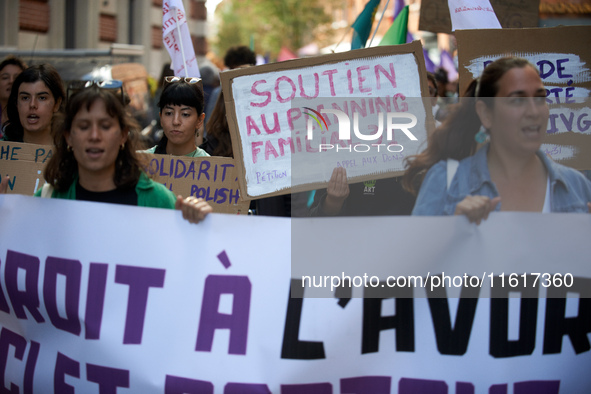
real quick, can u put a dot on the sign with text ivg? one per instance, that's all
(293, 122)
(563, 57)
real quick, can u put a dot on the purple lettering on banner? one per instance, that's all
(7, 339)
(543, 72)
(95, 300)
(211, 320)
(367, 385)
(408, 386)
(178, 385)
(537, 387)
(107, 378)
(464, 388)
(311, 388)
(139, 279)
(28, 298)
(246, 388)
(72, 270)
(560, 68)
(203, 169)
(498, 389)
(64, 366)
(30, 367)
(3, 303)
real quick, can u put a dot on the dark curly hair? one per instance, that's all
(239, 56)
(62, 168)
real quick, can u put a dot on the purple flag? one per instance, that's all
(398, 6)
(428, 62)
(447, 63)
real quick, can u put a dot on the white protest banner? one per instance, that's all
(177, 39)
(288, 137)
(95, 306)
(472, 14)
(563, 58)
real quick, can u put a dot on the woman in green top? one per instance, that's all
(95, 158)
(181, 116)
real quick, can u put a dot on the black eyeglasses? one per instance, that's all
(111, 84)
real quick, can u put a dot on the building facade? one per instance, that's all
(128, 28)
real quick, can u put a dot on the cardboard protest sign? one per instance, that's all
(293, 122)
(141, 316)
(563, 57)
(24, 164)
(435, 17)
(212, 178)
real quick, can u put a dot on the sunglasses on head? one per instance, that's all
(189, 80)
(111, 84)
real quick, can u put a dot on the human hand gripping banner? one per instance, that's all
(116, 299)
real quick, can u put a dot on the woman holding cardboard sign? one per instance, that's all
(95, 158)
(509, 173)
(181, 116)
(37, 94)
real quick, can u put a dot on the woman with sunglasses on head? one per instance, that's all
(95, 159)
(509, 173)
(181, 116)
(36, 95)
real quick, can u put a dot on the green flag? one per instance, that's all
(396, 34)
(362, 25)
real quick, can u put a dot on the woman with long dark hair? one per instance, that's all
(95, 158)
(37, 94)
(506, 105)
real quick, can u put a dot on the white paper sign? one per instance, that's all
(472, 14)
(275, 110)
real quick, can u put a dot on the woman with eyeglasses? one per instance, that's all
(181, 116)
(95, 159)
(507, 105)
(36, 96)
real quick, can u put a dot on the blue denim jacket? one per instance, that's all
(570, 190)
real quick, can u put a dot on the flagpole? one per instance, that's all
(343, 37)
(178, 28)
(380, 21)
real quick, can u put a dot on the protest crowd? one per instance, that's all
(505, 139)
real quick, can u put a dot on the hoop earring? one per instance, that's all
(122, 146)
(69, 148)
(196, 133)
(482, 135)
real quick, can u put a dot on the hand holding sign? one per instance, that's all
(337, 191)
(4, 185)
(194, 209)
